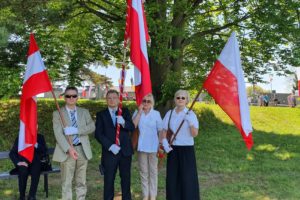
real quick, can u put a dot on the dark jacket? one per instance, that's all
(105, 132)
(39, 152)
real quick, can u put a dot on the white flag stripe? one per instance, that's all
(35, 65)
(137, 76)
(21, 144)
(298, 74)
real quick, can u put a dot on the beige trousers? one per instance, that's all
(148, 172)
(74, 169)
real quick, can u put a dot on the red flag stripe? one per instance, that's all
(298, 76)
(127, 26)
(221, 84)
(33, 47)
(29, 87)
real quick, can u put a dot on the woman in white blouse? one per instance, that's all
(182, 178)
(149, 123)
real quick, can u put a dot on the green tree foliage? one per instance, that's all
(255, 90)
(186, 36)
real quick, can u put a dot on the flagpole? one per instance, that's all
(61, 117)
(117, 140)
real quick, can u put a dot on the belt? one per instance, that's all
(79, 144)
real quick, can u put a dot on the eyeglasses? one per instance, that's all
(71, 96)
(112, 98)
(182, 98)
(146, 101)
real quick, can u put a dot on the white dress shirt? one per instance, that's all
(184, 136)
(111, 111)
(68, 109)
(149, 126)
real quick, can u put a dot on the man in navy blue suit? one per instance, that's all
(113, 155)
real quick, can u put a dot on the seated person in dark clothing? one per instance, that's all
(24, 167)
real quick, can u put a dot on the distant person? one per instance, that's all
(149, 123)
(266, 100)
(291, 100)
(182, 176)
(115, 156)
(249, 100)
(261, 100)
(275, 100)
(24, 167)
(73, 148)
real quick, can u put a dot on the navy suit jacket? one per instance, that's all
(105, 132)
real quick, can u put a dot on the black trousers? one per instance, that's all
(34, 169)
(182, 178)
(111, 163)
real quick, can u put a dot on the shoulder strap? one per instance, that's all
(170, 119)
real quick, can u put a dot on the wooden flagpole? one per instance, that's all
(61, 117)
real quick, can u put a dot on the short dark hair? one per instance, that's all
(71, 88)
(111, 92)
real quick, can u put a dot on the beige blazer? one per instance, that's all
(86, 126)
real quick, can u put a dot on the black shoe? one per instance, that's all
(31, 198)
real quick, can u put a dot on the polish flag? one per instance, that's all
(36, 81)
(137, 31)
(226, 85)
(298, 76)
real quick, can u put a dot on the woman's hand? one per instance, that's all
(140, 109)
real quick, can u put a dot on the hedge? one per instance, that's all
(9, 118)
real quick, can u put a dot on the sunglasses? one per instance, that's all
(71, 96)
(182, 98)
(146, 101)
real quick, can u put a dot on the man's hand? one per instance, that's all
(121, 120)
(73, 153)
(22, 164)
(69, 130)
(114, 149)
(166, 145)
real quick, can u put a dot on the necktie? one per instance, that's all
(74, 124)
(113, 115)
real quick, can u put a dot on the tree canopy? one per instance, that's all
(186, 37)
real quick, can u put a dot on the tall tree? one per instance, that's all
(186, 35)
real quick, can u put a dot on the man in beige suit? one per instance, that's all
(73, 148)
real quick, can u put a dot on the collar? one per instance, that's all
(185, 110)
(151, 109)
(68, 109)
(112, 109)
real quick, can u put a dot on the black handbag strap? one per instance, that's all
(170, 119)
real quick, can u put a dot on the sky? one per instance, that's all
(279, 83)
(114, 73)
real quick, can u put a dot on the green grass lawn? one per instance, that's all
(227, 170)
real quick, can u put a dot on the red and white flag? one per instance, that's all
(298, 76)
(36, 81)
(137, 32)
(226, 85)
